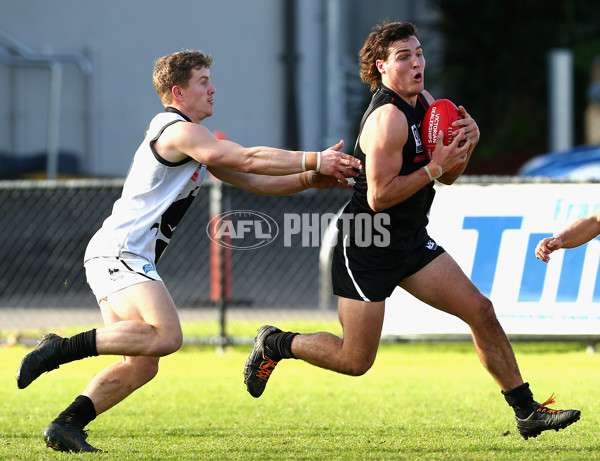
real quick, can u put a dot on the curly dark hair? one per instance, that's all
(377, 47)
(176, 69)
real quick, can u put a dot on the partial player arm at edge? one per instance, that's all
(579, 232)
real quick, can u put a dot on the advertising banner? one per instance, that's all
(492, 231)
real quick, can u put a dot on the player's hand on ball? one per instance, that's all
(468, 124)
(452, 155)
(445, 125)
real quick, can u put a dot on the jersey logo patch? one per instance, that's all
(420, 151)
(417, 136)
(148, 268)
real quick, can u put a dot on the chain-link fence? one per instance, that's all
(46, 225)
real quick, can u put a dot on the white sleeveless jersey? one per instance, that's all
(155, 196)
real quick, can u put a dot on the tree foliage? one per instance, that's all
(496, 64)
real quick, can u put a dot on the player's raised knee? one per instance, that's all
(166, 344)
(141, 369)
(146, 368)
(358, 367)
(173, 344)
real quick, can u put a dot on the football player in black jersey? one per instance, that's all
(383, 241)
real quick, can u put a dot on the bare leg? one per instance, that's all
(140, 320)
(443, 285)
(142, 324)
(353, 354)
(116, 382)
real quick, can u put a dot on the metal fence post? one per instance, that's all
(220, 260)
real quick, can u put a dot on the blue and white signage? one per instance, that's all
(492, 231)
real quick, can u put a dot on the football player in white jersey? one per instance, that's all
(141, 321)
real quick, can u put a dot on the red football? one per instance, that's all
(440, 116)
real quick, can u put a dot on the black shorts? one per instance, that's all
(372, 273)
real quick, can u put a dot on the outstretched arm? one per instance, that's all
(581, 231)
(184, 139)
(279, 185)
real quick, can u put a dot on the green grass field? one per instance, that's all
(419, 401)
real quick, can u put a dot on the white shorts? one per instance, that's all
(106, 276)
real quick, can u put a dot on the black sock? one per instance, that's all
(78, 414)
(78, 347)
(280, 345)
(520, 399)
